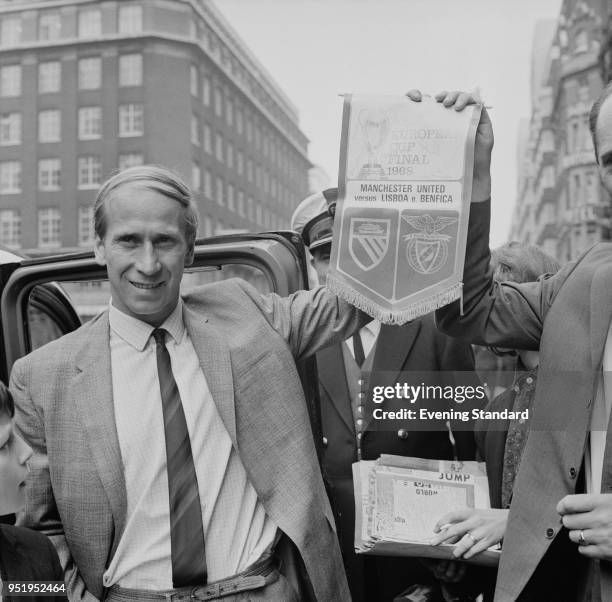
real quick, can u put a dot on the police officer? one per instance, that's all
(377, 355)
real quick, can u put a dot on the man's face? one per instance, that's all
(145, 251)
(14, 453)
(320, 261)
(603, 132)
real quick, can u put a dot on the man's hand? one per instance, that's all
(588, 517)
(473, 530)
(481, 183)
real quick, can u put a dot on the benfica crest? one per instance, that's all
(427, 249)
(368, 241)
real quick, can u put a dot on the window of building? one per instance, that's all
(90, 172)
(49, 227)
(90, 23)
(208, 184)
(230, 155)
(208, 226)
(206, 91)
(249, 170)
(10, 31)
(229, 112)
(239, 123)
(49, 27)
(49, 77)
(86, 233)
(581, 43)
(219, 190)
(130, 70)
(131, 120)
(10, 177)
(249, 130)
(194, 83)
(130, 18)
(258, 216)
(130, 160)
(230, 197)
(10, 228)
(90, 73)
(49, 174)
(239, 163)
(90, 123)
(10, 80)
(195, 130)
(10, 129)
(196, 177)
(49, 125)
(250, 208)
(241, 203)
(218, 102)
(207, 138)
(219, 147)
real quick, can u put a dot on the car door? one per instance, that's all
(45, 298)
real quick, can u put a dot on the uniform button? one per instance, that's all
(360, 381)
(550, 533)
(324, 441)
(360, 410)
(402, 434)
(529, 380)
(359, 422)
(360, 395)
(516, 388)
(572, 472)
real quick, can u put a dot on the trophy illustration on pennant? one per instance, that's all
(375, 129)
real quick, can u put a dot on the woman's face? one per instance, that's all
(14, 453)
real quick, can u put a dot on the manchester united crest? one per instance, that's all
(368, 241)
(427, 249)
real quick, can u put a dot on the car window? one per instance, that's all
(90, 297)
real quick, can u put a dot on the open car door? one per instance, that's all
(45, 298)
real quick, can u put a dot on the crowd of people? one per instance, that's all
(168, 444)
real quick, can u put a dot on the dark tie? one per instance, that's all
(358, 349)
(186, 529)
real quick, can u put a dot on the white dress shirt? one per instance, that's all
(369, 334)
(600, 419)
(237, 530)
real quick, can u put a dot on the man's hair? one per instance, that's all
(594, 115)
(7, 405)
(153, 177)
(517, 262)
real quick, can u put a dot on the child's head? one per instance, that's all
(14, 453)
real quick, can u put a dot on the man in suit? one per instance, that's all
(377, 355)
(212, 374)
(558, 543)
(24, 554)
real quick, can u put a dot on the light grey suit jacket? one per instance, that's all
(567, 317)
(247, 345)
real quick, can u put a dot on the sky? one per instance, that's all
(316, 50)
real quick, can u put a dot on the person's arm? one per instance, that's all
(308, 320)
(41, 513)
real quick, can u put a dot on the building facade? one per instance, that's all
(560, 202)
(88, 87)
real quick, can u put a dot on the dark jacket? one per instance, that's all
(415, 347)
(26, 555)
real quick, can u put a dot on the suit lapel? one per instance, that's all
(332, 375)
(93, 395)
(601, 312)
(214, 356)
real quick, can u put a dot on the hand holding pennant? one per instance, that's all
(408, 170)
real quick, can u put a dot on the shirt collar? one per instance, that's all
(372, 327)
(137, 333)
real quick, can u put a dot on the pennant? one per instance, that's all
(403, 205)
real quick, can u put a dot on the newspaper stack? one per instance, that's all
(398, 501)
